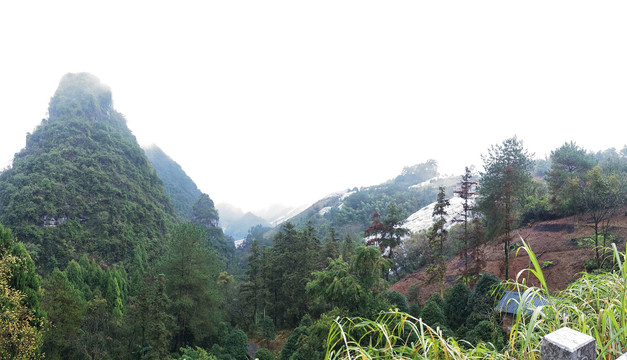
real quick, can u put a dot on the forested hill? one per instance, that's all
(82, 184)
(349, 212)
(181, 189)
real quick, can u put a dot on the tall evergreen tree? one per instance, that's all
(467, 193)
(66, 309)
(253, 287)
(436, 238)
(191, 270)
(347, 248)
(331, 246)
(507, 171)
(293, 257)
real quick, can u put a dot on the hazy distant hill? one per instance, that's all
(82, 184)
(181, 189)
(236, 223)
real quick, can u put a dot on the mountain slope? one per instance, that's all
(82, 184)
(557, 245)
(179, 187)
(350, 211)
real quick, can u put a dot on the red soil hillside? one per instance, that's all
(551, 241)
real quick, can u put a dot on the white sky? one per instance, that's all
(266, 102)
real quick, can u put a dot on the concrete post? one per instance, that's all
(567, 344)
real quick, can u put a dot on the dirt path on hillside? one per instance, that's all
(553, 242)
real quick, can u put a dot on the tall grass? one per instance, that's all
(595, 304)
(395, 336)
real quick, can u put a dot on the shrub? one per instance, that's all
(432, 313)
(236, 344)
(455, 305)
(414, 310)
(264, 354)
(397, 300)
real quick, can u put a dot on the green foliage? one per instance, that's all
(507, 173)
(196, 353)
(331, 247)
(455, 305)
(291, 261)
(369, 266)
(82, 184)
(179, 187)
(354, 215)
(602, 196)
(66, 310)
(397, 300)
(386, 232)
(482, 299)
(413, 295)
(337, 287)
(435, 239)
(21, 330)
(191, 272)
(583, 306)
(312, 341)
(236, 344)
(291, 345)
(264, 354)
(432, 313)
(23, 278)
(267, 329)
(395, 335)
(568, 174)
(205, 216)
(414, 310)
(150, 322)
(204, 213)
(486, 331)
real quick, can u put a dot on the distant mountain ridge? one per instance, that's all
(236, 223)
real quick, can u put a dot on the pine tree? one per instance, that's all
(466, 193)
(507, 171)
(253, 287)
(436, 238)
(331, 246)
(568, 175)
(191, 271)
(66, 309)
(348, 248)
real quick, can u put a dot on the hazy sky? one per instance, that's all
(287, 101)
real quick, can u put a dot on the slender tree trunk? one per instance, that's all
(507, 236)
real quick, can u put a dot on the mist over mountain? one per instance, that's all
(236, 223)
(82, 184)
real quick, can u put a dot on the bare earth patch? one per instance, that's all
(553, 242)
